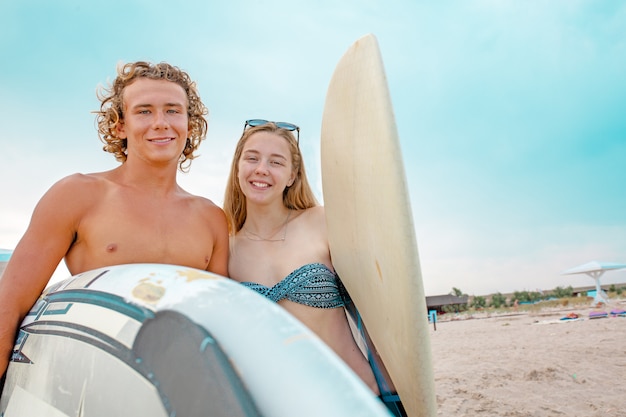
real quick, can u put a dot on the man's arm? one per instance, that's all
(34, 260)
(218, 263)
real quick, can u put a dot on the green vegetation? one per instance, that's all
(617, 290)
(478, 302)
(457, 293)
(454, 308)
(559, 292)
(498, 300)
(526, 300)
(527, 296)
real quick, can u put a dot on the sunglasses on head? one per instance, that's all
(283, 125)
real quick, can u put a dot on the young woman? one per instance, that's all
(279, 246)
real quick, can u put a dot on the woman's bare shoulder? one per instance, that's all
(316, 214)
(312, 219)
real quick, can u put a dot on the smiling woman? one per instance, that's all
(279, 244)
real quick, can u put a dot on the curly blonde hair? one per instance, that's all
(298, 196)
(112, 107)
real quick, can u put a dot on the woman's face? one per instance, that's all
(265, 168)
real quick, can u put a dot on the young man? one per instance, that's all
(152, 120)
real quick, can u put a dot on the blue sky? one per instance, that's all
(510, 114)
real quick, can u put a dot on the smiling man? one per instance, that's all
(152, 119)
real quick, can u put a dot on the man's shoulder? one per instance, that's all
(80, 179)
(205, 211)
(76, 184)
(210, 206)
(201, 203)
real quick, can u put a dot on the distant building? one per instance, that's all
(438, 302)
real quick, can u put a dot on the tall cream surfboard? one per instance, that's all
(370, 224)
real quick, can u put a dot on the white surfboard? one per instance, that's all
(163, 340)
(370, 224)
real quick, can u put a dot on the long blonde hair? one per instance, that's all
(298, 196)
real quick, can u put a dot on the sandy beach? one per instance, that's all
(531, 364)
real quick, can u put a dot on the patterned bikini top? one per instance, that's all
(313, 285)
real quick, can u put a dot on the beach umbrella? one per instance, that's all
(595, 270)
(5, 254)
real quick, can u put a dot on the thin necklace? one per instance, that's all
(258, 238)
